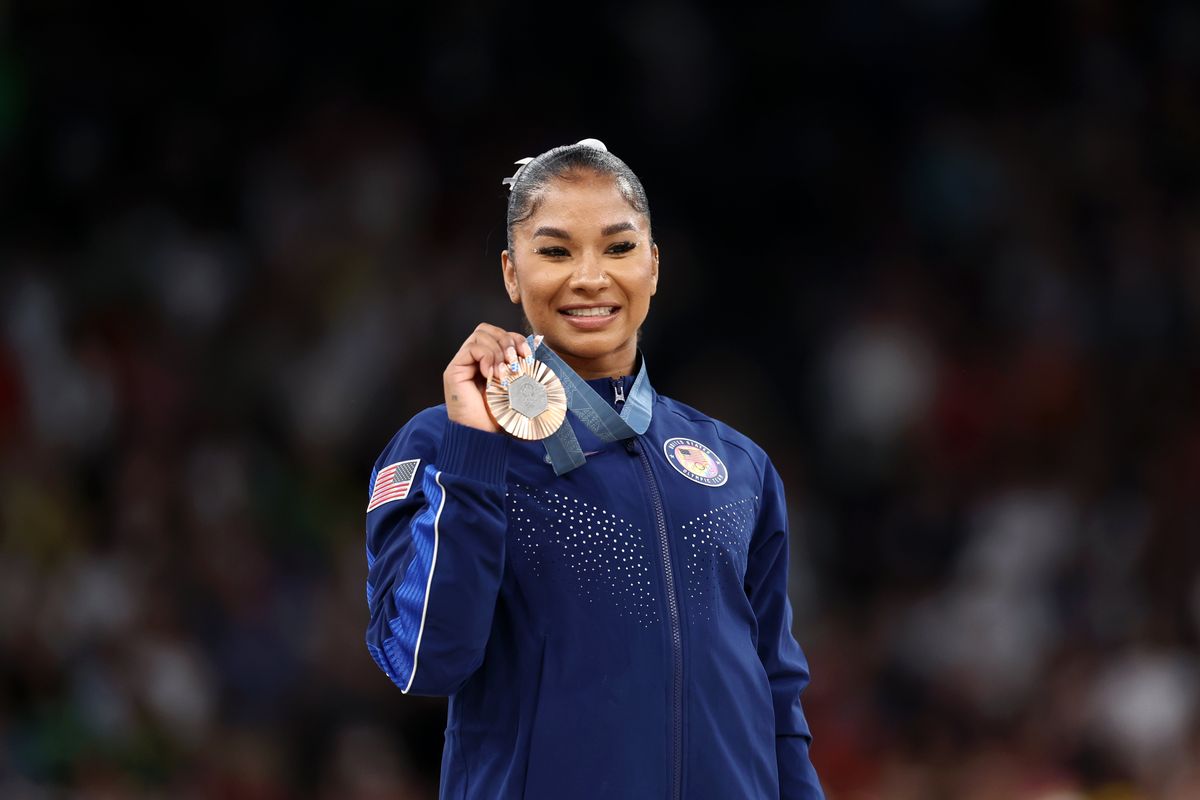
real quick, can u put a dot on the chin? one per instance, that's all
(587, 345)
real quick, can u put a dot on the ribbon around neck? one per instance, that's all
(593, 411)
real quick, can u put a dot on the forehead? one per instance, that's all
(582, 201)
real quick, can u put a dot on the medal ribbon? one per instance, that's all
(594, 412)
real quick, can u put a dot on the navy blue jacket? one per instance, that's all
(621, 631)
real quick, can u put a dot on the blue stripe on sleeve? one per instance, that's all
(412, 595)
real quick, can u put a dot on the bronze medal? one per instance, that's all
(534, 403)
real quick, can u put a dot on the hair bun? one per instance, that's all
(595, 144)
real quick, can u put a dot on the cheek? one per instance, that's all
(541, 289)
(538, 293)
(534, 283)
(642, 287)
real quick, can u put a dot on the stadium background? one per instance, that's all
(942, 259)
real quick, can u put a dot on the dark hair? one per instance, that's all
(527, 185)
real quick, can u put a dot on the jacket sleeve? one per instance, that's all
(435, 552)
(785, 664)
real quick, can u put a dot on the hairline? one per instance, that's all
(574, 172)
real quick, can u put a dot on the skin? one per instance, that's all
(583, 246)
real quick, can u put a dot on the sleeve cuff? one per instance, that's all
(473, 454)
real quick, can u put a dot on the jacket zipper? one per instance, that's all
(618, 390)
(676, 630)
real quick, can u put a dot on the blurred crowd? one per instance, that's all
(947, 254)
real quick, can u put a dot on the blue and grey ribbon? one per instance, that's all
(594, 412)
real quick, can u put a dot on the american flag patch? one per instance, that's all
(393, 483)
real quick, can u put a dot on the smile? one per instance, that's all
(590, 318)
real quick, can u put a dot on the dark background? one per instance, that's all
(940, 257)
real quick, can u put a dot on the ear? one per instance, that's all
(653, 269)
(509, 268)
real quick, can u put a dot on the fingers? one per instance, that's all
(495, 351)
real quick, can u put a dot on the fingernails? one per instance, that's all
(504, 381)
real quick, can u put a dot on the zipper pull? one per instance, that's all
(618, 390)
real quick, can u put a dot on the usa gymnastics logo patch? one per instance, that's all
(695, 462)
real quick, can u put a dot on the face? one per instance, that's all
(583, 269)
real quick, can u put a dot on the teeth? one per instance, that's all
(603, 311)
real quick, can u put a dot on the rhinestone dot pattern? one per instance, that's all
(716, 545)
(600, 557)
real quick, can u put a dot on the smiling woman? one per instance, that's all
(608, 628)
(583, 266)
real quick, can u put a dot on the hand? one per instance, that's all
(486, 352)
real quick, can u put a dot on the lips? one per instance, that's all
(590, 317)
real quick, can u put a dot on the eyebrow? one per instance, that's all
(617, 227)
(607, 230)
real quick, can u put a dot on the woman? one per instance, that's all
(612, 626)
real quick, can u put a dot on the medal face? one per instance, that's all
(527, 396)
(532, 406)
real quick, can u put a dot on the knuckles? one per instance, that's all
(487, 334)
(488, 340)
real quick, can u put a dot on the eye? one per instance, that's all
(621, 247)
(552, 252)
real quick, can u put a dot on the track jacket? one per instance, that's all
(621, 631)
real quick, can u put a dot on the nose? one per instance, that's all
(589, 276)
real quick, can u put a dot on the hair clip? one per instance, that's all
(594, 144)
(509, 182)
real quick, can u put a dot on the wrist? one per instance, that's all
(471, 419)
(473, 453)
